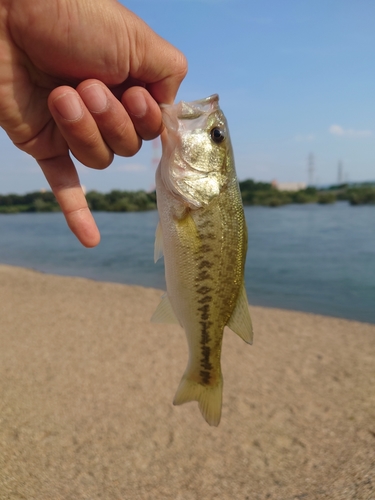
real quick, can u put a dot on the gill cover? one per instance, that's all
(196, 148)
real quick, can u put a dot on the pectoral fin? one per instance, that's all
(158, 248)
(164, 312)
(240, 321)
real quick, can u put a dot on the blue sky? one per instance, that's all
(294, 77)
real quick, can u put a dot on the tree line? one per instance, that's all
(261, 193)
(115, 201)
(253, 193)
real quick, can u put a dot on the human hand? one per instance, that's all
(82, 77)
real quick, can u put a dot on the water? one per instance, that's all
(313, 258)
(44, 242)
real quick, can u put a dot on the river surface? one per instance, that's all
(313, 258)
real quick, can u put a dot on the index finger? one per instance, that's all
(62, 176)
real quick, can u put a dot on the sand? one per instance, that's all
(86, 390)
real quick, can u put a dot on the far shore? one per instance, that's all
(252, 192)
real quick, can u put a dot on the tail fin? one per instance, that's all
(208, 397)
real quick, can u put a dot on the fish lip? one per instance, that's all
(213, 98)
(191, 110)
(184, 110)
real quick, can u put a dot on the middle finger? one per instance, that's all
(112, 120)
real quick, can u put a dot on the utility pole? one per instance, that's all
(311, 168)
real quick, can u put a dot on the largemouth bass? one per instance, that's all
(202, 233)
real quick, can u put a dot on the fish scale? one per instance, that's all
(202, 233)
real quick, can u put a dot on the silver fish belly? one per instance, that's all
(202, 233)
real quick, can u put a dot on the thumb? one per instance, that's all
(154, 61)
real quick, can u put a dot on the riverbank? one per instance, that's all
(253, 193)
(87, 382)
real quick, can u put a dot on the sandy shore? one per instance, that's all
(86, 389)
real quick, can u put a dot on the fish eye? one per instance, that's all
(217, 135)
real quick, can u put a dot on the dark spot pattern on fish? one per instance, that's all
(205, 377)
(205, 311)
(205, 263)
(203, 275)
(205, 324)
(205, 360)
(205, 299)
(205, 223)
(205, 248)
(205, 338)
(208, 236)
(204, 285)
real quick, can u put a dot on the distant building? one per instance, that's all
(289, 186)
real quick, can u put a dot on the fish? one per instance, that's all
(202, 234)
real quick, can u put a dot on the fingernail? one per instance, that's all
(137, 106)
(95, 98)
(69, 106)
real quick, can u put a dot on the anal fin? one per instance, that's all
(240, 321)
(164, 312)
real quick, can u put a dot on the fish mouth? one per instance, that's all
(195, 109)
(188, 110)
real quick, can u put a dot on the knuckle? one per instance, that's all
(123, 140)
(96, 158)
(151, 132)
(98, 163)
(181, 65)
(131, 149)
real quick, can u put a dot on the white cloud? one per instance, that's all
(349, 132)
